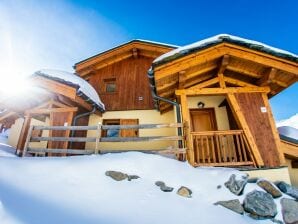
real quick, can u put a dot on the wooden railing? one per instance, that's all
(99, 138)
(221, 148)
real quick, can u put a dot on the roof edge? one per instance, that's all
(126, 43)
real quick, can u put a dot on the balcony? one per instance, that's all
(221, 148)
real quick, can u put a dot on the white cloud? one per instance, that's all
(50, 34)
(292, 122)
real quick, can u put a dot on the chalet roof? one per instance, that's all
(223, 38)
(128, 43)
(83, 88)
(130, 49)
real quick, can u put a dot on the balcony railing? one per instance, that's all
(221, 148)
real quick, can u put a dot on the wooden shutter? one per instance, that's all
(129, 132)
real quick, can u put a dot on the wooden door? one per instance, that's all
(203, 119)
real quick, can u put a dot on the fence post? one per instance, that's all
(27, 140)
(98, 136)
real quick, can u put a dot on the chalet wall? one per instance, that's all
(145, 117)
(16, 128)
(293, 173)
(260, 127)
(275, 174)
(132, 84)
(212, 101)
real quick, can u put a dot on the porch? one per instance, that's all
(221, 148)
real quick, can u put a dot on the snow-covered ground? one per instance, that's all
(76, 190)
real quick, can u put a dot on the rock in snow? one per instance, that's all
(236, 186)
(288, 189)
(233, 205)
(118, 176)
(163, 186)
(260, 205)
(184, 192)
(289, 210)
(269, 188)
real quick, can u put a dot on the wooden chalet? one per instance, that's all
(216, 89)
(52, 101)
(223, 85)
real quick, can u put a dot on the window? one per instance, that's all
(122, 132)
(110, 85)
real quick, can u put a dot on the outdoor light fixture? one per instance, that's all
(201, 105)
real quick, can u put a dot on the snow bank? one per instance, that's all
(218, 39)
(7, 150)
(73, 79)
(76, 190)
(291, 122)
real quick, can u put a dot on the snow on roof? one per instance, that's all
(84, 89)
(126, 43)
(181, 51)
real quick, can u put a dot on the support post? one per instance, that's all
(98, 136)
(186, 122)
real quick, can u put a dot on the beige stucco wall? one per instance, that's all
(212, 101)
(145, 117)
(276, 174)
(293, 173)
(16, 128)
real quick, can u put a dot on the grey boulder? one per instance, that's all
(287, 189)
(118, 176)
(233, 205)
(289, 210)
(260, 205)
(163, 186)
(236, 186)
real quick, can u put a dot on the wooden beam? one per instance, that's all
(198, 80)
(182, 79)
(166, 87)
(219, 91)
(267, 77)
(51, 110)
(135, 53)
(238, 82)
(224, 63)
(56, 87)
(238, 114)
(23, 134)
(243, 71)
(186, 121)
(274, 129)
(9, 114)
(261, 58)
(206, 83)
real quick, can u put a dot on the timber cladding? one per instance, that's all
(131, 90)
(260, 127)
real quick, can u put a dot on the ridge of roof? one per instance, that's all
(223, 38)
(126, 43)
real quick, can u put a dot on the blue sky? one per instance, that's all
(56, 34)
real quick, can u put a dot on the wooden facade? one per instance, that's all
(246, 78)
(124, 69)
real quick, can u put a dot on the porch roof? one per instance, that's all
(241, 62)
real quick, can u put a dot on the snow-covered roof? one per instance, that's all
(258, 46)
(129, 42)
(84, 89)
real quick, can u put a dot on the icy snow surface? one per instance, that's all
(217, 39)
(76, 190)
(84, 86)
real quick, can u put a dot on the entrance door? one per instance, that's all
(203, 119)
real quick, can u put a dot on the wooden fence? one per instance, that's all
(99, 138)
